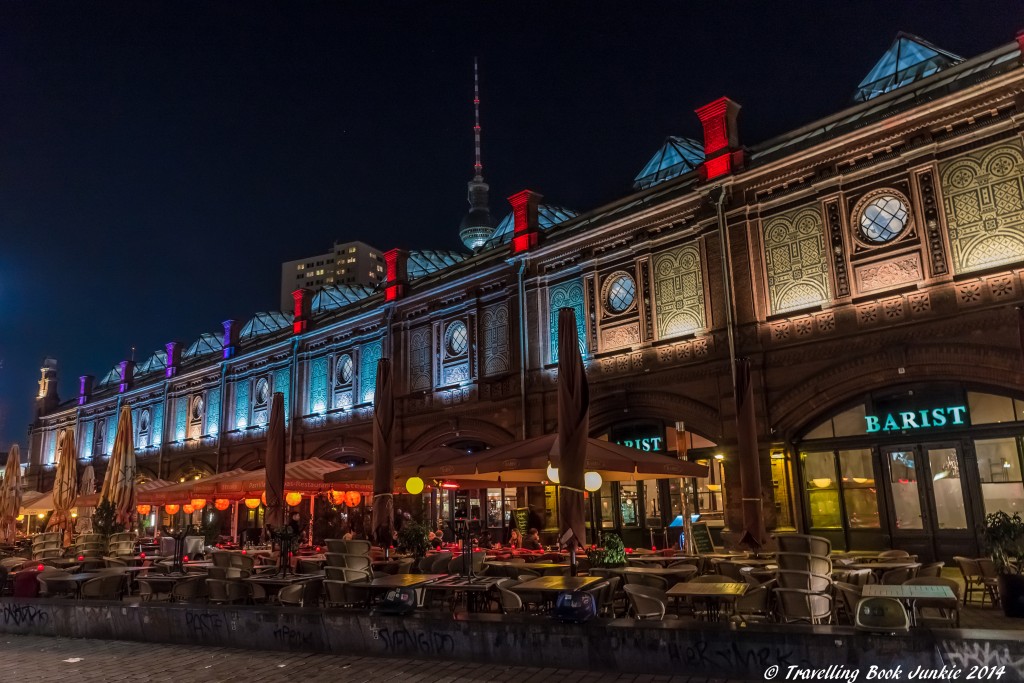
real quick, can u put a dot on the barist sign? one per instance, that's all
(649, 444)
(916, 419)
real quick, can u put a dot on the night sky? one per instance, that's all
(159, 160)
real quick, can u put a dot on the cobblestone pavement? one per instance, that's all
(27, 659)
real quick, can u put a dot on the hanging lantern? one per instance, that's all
(293, 498)
(263, 498)
(142, 509)
(187, 509)
(592, 481)
(252, 503)
(414, 485)
(171, 508)
(552, 474)
(352, 498)
(222, 504)
(198, 503)
(337, 497)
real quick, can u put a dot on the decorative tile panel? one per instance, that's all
(919, 302)
(213, 411)
(180, 417)
(318, 385)
(51, 447)
(936, 249)
(835, 236)
(890, 273)
(983, 194)
(497, 350)
(156, 429)
(86, 445)
(679, 292)
(370, 354)
(135, 429)
(242, 404)
(566, 295)
(826, 322)
(796, 260)
(111, 434)
(282, 378)
(420, 361)
(618, 337)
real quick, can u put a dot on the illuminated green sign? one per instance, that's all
(916, 419)
(650, 444)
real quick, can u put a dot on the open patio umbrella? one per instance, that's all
(10, 496)
(65, 485)
(87, 487)
(527, 461)
(404, 466)
(383, 520)
(303, 476)
(754, 534)
(119, 481)
(275, 463)
(573, 428)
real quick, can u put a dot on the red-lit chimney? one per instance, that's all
(85, 389)
(230, 338)
(526, 229)
(1020, 44)
(397, 263)
(722, 153)
(303, 299)
(173, 358)
(127, 370)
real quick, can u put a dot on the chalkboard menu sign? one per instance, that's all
(702, 538)
(522, 518)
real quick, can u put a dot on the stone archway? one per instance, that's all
(345, 449)
(611, 409)
(461, 429)
(811, 401)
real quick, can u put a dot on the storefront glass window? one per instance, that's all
(607, 507)
(822, 490)
(905, 496)
(494, 516)
(847, 423)
(510, 505)
(551, 507)
(629, 504)
(1000, 473)
(859, 490)
(780, 483)
(947, 487)
(989, 409)
(710, 496)
(652, 503)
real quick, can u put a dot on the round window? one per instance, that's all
(197, 408)
(883, 219)
(144, 421)
(262, 391)
(343, 370)
(620, 293)
(456, 339)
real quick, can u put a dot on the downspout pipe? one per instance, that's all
(723, 238)
(522, 345)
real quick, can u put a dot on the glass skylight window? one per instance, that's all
(883, 219)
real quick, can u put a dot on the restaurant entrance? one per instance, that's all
(928, 509)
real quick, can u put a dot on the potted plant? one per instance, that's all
(413, 539)
(612, 554)
(1004, 538)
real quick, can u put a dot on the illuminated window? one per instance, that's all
(300, 266)
(456, 339)
(883, 219)
(352, 250)
(380, 269)
(620, 293)
(343, 369)
(351, 260)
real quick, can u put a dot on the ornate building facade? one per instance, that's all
(869, 265)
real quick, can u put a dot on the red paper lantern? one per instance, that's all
(143, 509)
(293, 498)
(171, 508)
(252, 503)
(337, 497)
(352, 498)
(222, 504)
(198, 503)
(187, 509)
(263, 498)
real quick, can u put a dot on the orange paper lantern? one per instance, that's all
(293, 498)
(142, 509)
(263, 498)
(222, 504)
(171, 509)
(352, 498)
(252, 503)
(337, 497)
(187, 509)
(198, 503)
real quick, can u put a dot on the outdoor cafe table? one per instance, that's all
(663, 560)
(62, 562)
(76, 579)
(711, 593)
(476, 589)
(671, 574)
(880, 567)
(557, 584)
(935, 595)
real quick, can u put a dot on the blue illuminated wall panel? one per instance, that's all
(281, 379)
(368, 358)
(242, 404)
(111, 434)
(318, 385)
(566, 295)
(156, 429)
(86, 444)
(180, 417)
(213, 412)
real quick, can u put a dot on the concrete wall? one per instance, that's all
(619, 645)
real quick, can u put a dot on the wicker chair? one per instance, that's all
(509, 600)
(796, 605)
(801, 543)
(893, 554)
(896, 577)
(189, 590)
(974, 582)
(807, 581)
(649, 580)
(931, 569)
(847, 597)
(646, 602)
(104, 587)
(148, 594)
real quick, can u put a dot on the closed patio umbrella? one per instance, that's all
(119, 481)
(275, 463)
(754, 534)
(65, 485)
(573, 431)
(10, 496)
(383, 521)
(86, 488)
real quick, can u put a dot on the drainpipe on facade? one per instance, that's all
(293, 384)
(522, 344)
(222, 418)
(167, 417)
(723, 238)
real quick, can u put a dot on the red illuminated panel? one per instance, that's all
(718, 166)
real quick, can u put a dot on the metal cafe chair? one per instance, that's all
(802, 543)
(847, 597)
(104, 587)
(974, 582)
(797, 605)
(815, 583)
(646, 602)
(895, 577)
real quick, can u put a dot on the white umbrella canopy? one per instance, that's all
(86, 488)
(119, 480)
(10, 496)
(65, 485)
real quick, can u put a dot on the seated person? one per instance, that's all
(438, 539)
(532, 540)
